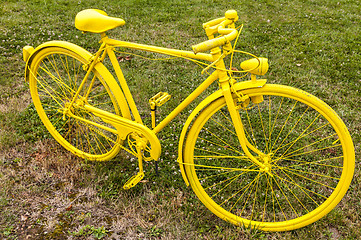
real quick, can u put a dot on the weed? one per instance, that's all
(7, 231)
(100, 232)
(155, 231)
(88, 230)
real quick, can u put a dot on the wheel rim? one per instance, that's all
(54, 76)
(290, 197)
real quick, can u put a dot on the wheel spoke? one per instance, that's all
(54, 80)
(302, 135)
(283, 126)
(224, 127)
(284, 139)
(263, 129)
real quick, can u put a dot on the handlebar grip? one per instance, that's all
(213, 22)
(208, 45)
(216, 42)
(218, 26)
(229, 15)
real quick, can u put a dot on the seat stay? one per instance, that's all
(89, 66)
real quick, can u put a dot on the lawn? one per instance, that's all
(47, 193)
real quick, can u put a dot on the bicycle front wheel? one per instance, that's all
(311, 159)
(55, 76)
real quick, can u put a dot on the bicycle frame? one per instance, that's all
(219, 74)
(110, 43)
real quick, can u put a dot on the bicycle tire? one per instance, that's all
(311, 152)
(54, 76)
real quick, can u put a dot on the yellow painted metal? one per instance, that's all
(134, 180)
(159, 99)
(126, 126)
(238, 87)
(124, 86)
(329, 203)
(218, 26)
(166, 51)
(93, 61)
(257, 66)
(108, 129)
(35, 82)
(96, 21)
(238, 123)
(153, 116)
(108, 77)
(186, 102)
(156, 101)
(230, 34)
(27, 51)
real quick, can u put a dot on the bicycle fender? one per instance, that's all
(238, 86)
(29, 52)
(29, 55)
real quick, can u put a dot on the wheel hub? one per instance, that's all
(267, 165)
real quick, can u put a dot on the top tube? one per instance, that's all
(161, 50)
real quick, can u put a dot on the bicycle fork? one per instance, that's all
(236, 119)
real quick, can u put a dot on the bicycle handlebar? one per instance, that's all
(216, 42)
(218, 26)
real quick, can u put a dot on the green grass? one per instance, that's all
(47, 193)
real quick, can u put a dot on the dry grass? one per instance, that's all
(13, 103)
(50, 194)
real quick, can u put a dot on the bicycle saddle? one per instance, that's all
(96, 21)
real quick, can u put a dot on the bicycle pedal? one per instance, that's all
(159, 99)
(133, 181)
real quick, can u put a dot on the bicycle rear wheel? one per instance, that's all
(311, 160)
(55, 76)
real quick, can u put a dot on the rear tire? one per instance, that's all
(55, 74)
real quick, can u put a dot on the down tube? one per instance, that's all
(213, 77)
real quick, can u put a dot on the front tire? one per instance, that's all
(311, 159)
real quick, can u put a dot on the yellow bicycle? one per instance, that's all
(256, 154)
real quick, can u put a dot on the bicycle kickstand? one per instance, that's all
(139, 176)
